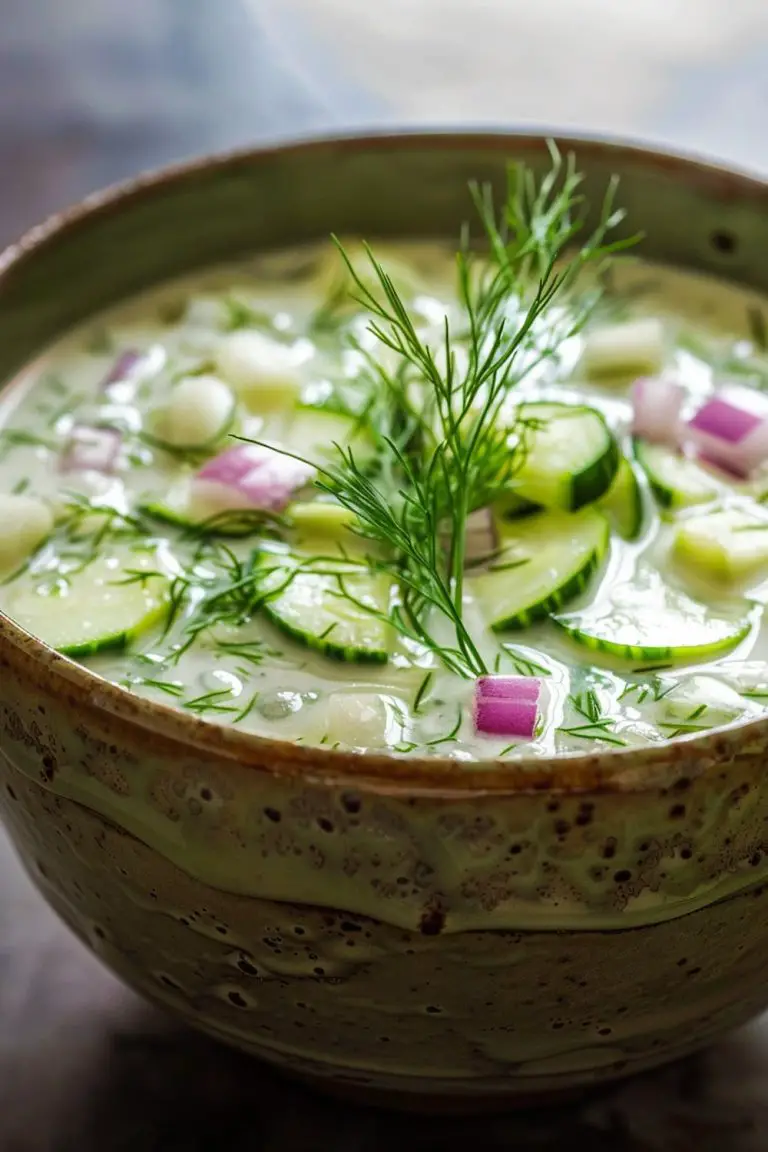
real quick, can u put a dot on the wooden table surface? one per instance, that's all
(91, 91)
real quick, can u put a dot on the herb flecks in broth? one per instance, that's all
(409, 500)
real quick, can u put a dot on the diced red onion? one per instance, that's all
(707, 461)
(131, 365)
(728, 436)
(509, 687)
(656, 405)
(507, 705)
(91, 449)
(501, 717)
(249, 476)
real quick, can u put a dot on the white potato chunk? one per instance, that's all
(262, 371)
(197, 413)
(620, 349)
(363, 720)
(25, 522)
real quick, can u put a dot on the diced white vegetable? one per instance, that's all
(747, 676)
(363, 720)
(702, 700)
(635, 346)
(198, 411)
(261, 370)
(25, 522)
(656, 405)
(130, 368)
(727, 545)
(91, 449)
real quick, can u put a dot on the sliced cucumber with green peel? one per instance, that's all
(104, 606)
(623, 503)
(511, 507)
(323, 603)
(173, 509)
(544, 560)
(647, 622)
(571, 457)
(675, 481)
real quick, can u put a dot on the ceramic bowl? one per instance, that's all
(407, 930)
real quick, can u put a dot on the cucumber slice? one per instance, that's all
(675, 481)
(173, 509)
(647, 622)
(313, 432)
(623, 503)
(511, 506)
(544, 561)
(92, 611)
(571, 456)
(306, 599)
(727, 545)
(322, 518)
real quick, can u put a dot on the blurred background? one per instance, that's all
(94, 90)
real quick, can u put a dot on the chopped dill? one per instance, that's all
(246, 710)
(597, 725)
(422, 692)
(405, 746)
(241, 315)
(211, 702)
(52, 382)
(655, 690)
(170, 687)
(449, 736)
(101, 342)
(523, 665)
(23, 438)
(688, 725)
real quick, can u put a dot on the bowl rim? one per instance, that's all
(633, 768)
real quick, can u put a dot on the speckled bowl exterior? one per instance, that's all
(414, 931)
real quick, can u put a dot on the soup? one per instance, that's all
(387, 501)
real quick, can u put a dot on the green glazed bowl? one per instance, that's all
(411, 931)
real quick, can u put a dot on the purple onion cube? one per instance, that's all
(499, 717)
(509, 687)
(725, 421)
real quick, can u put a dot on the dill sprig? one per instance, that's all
(541, 220)
(459, 451)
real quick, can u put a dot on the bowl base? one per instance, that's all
(438, 1104)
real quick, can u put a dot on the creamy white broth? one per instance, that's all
(257, 677)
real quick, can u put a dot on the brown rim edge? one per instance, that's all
(623, 770)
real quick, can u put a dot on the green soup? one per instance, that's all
(184, 488)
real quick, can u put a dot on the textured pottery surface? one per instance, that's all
(410, 928)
